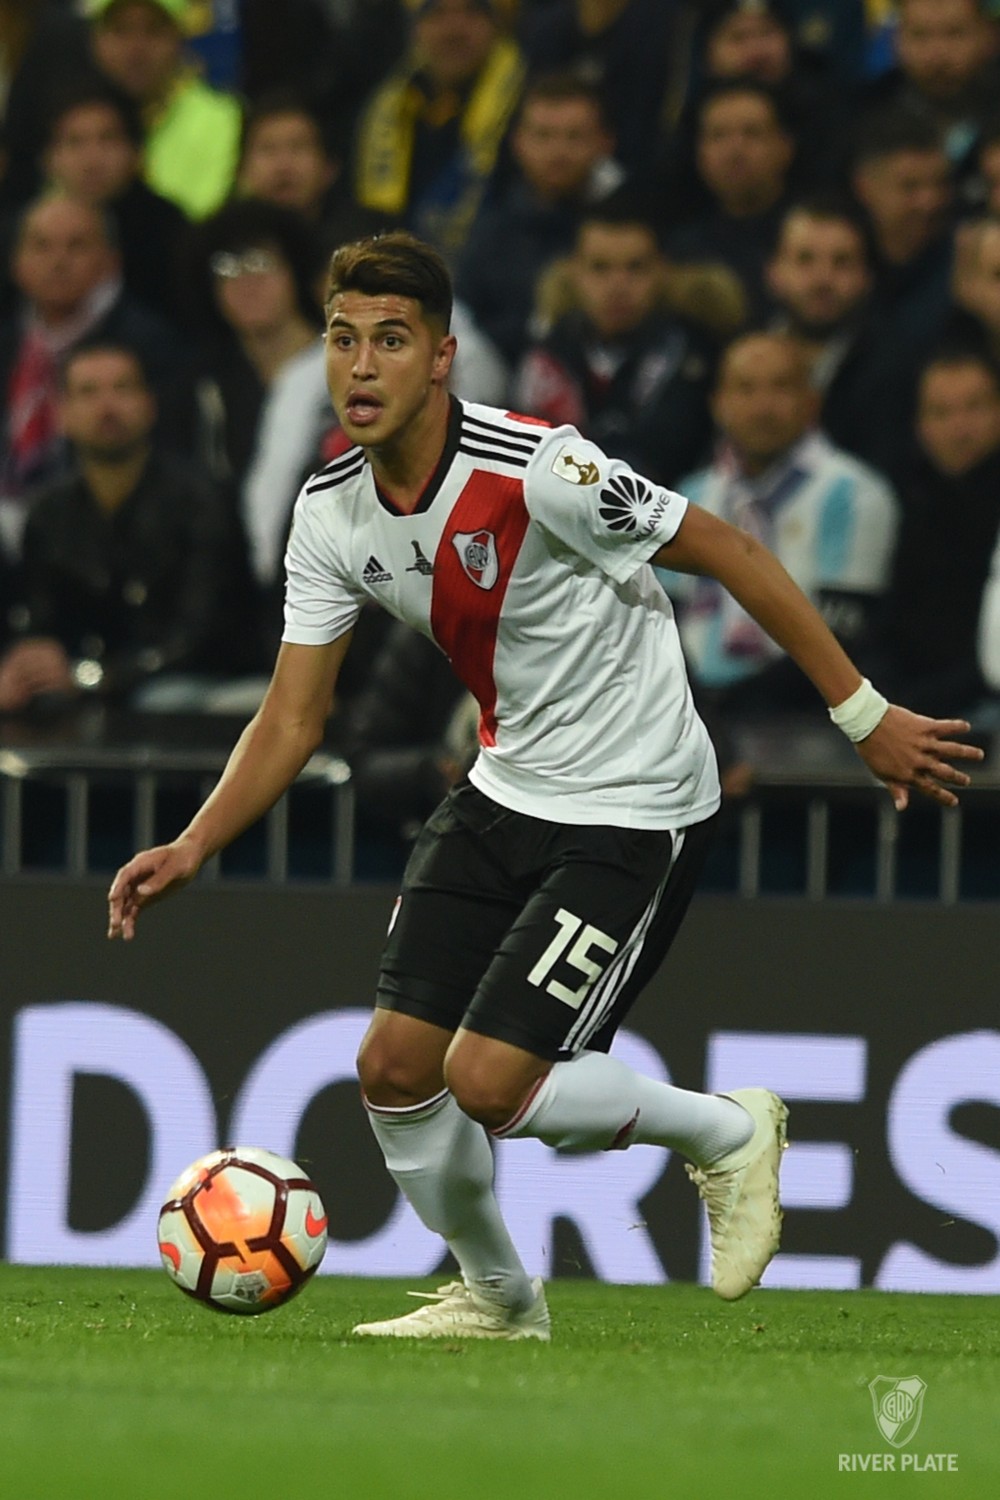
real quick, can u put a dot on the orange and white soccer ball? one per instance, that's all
(242, 1230)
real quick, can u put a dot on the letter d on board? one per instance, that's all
(51, 1045)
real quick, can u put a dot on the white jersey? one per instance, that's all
(527, 561)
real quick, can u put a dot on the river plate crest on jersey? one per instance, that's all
(477, 552)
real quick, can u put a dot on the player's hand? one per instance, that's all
(907, 750)
(148, 877)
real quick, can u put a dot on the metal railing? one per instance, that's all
(803, 770)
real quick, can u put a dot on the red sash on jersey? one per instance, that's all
(472, 567)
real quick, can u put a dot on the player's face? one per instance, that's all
(764, 401)
(749, 45)
(820, 272)
(385, 361)
(944, 44)
(618, 274)
(285, 163)
(138, 46)
(91, 155)
(107, 410)
(558, 142)
(958, 417)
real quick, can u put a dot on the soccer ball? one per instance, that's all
(242, 1230)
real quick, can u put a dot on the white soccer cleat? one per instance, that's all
(453, 1312)
(740, 1192)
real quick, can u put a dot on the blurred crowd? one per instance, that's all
(751, 246)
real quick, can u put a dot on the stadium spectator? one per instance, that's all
(192, 130)
(625, 47)
(756, 39)
(828, 518)
(975, 318)
(129, 561)
(946, 70)
(68, 274)
(623, 364)
(902, 178)
(745, 152)
(288, 158)
(562, 154)
(950, 510)
(94, 154)
(821, 277)
(45, 49)
(430, 135)
(262, 389)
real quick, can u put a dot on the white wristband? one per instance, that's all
(862, 712)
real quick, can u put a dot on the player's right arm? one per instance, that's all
(268, 756)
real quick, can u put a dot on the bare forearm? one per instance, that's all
(756, 580)
(764, 589)
(265, 761)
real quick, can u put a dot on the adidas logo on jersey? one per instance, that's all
(373, 572)
(625, 505)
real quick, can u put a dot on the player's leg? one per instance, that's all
(614, 930)
(441, 941)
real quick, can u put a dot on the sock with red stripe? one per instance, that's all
(595, 1102)
(443, 1164)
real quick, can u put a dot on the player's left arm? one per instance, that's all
(904, 749)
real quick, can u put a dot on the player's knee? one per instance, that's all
(482, 1092)
(390, 1075)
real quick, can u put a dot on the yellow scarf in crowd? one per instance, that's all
(388, 130)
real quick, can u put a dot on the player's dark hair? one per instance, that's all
(396, 263)
(891, 131)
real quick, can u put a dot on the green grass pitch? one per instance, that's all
(114, 1387)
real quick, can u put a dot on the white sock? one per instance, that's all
(596, 1102)
(443, 1164)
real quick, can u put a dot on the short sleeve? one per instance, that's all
(598, 506)
(320, 604)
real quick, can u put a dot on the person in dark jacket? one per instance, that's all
(822, 276)
(623, 365)
(68, 272)
(563, 155)
(950, 509)
(94, 153)
(131, 565)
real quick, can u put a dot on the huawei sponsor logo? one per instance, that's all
(628, 503)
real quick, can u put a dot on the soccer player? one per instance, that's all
(546, 889)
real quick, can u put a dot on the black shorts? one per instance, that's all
(539, 934)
